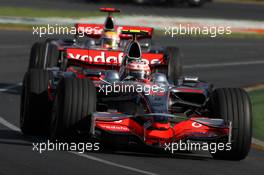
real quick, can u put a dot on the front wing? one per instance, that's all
(155, 132)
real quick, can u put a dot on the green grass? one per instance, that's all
(157, 32)
(30, 12)
(242, 1)
(233, 35)
(257, 98)
(15, 27)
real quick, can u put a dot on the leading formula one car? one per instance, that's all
(105, 44)
(133, 105)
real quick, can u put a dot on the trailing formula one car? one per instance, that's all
(105, 44)
(133, 104)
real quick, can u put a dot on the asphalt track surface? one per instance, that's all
(226, 62)
(210, 10)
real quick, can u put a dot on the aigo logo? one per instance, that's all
(114, 127)
(108, 57)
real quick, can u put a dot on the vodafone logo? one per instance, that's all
(118, 121)
(102, 58)
(108, 57)
(196, 125)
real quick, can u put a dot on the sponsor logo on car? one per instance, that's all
(108, 57)
(114, 127)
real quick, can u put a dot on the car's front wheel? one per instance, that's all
(233, 105)
(35, 107)
(75, 102)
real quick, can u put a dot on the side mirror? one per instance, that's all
(92, 73)
(144, 45)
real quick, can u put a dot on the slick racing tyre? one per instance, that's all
(173, 71)
(233, 104)
(35, 106)
(36, 55)
(174, 64)
(43, 55)
(75, 102)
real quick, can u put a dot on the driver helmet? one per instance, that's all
(138, 69)
(110, 40)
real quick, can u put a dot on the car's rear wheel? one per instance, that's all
(73, 106)
(35, 104)
(43, 55)
(174, 64)
(173, 70)
(196, 3)
(36, 55)
(233, 104)
(52, 55)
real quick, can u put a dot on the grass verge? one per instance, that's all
(30, 12)
(233, 35)
(157, 32)
(259, 2)
(257, 98)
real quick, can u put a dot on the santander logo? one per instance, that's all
(107, 57)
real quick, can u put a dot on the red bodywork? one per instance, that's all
(108, 57)
(96, 30)
(162, 133)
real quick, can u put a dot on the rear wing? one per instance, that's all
(108, 57)
(110, 10)
(96, 30)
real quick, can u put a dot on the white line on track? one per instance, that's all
(9, 125)
(244, 63)
(113, 164)
(7, 88)
(211, 65)
(15, 128)
(14, 46)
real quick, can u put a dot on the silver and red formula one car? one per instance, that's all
(133, 104)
